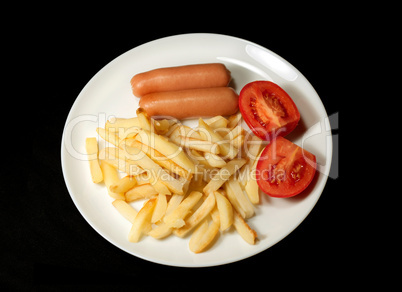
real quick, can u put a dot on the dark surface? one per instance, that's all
(45, 240)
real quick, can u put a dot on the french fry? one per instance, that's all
(225, 211)
(217, 122)
(157, 157)
(233, 200)
(91, 146)
(111, 156)
(248, 234)
(207, 133)
(200, 145)
(168, 149)
(110, 177)
(175, 219)
(234, 120)
(214, 160)
(163, 230)
(144, 191)
(125, 209)
(108, 136)
(135, 156)
(237, 142)
(203, 236)
(123, 185)
(232, 134)
(233, 186)
(142, 221)
(184, 131)
(142, 178)
(160, 208)
(251, 188)
(205, 208)
(223, 175)
(144, 121)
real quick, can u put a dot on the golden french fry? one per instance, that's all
(145, 122)
(142, 221)
(142, 178)
(217, 122)
(108, 136)
(203, 236)
(160, 208)
(174, 202)
(214, 160)
(157, 157)
(123, 185)
(111, 156)
(233, 200)
(144, 191)
(251, 188)
(233, 189)
(223, 175)
(252, 148)
(175, 219)
(200, 145)
(248, 234)
(168, 149)
(184, 131)
(125, 209)
(163, 230)
(225, 211)
(207, 133)
(91, 146)
(232, 134)
(234, 120)
(237, 142)
(202, 212)
(110, 177)
(156, 172)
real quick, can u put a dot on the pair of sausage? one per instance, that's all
(186, 91)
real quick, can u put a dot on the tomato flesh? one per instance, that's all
(268, 110)
(284, 169)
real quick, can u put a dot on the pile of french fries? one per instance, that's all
(194, 181)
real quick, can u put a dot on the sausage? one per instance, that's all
(191, 103)
(180, 78)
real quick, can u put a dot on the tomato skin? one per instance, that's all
(268, 110)
(284, 169)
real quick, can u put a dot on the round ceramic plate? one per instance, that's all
(109, 94)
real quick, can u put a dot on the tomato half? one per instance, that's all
(284, 169)
(268, 110)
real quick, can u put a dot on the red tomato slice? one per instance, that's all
(268, 110)
(284, 169)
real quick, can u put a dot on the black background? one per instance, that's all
(46, 243)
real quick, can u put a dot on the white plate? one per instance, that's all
(108, 93)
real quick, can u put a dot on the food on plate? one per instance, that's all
(125, 209)
(203, 180)
(268, 110)
(190, 103)
(248, 234)
(284, 169)
(142, 221)
(110, 177)
(179, 78)
(91, 146)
